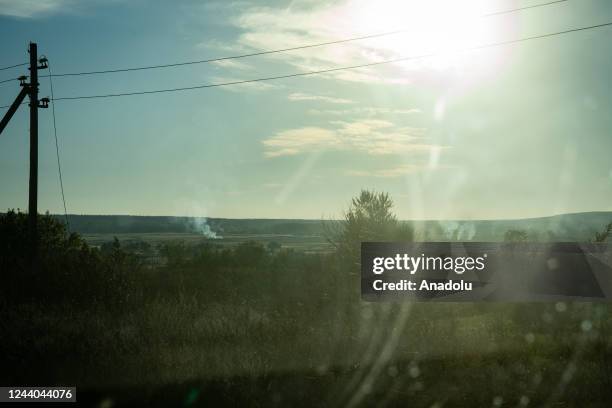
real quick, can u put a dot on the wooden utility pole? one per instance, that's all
(33, 188)
(31, 90)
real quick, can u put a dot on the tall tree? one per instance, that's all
(369, 218)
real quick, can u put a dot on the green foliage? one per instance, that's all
(250, 254)
(67, 270)
(175, 252)
(244, 313)
(369, 218)
(247, 272)
(515, 236)
(273, 246)
(603, 235)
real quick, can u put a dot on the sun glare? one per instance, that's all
(444, 27)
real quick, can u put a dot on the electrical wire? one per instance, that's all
(8, 80)
(323, 71)
(483, 46)
(59, 165)
(8, 106)
(14, 66)
(301, 47)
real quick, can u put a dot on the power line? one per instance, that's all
(9, 80)
(8, 106)
(59, 165)
(301, 47)
(323, 71)
(489, 45)
(13, 66)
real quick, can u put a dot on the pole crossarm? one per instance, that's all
(13, 108)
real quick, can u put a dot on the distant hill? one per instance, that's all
(566, 227)
(108, 224)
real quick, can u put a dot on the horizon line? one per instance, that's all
(330, 219)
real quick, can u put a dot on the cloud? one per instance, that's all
(213, 44)
(32, 8)
(295, 141)
(371, 136)
(272, 186)
(440, 29)
(371, 111)
(297, 96)
(366, 75)
(388, 173)
(248, 86)
(362, 127)
(41, 8)
(231, 64)
(302, 23)
(397, 171)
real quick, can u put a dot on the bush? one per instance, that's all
(516, 236)
(67, 270)
(369, 218)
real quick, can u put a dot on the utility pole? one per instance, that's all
(33, 188)
(31, 90)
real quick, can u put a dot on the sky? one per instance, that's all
(515, 131)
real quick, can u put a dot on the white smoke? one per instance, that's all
(449, 228)
(464, 231)
(200, 225)
(467, 231)
(194, 221)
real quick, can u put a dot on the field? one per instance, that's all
(239, 321)
(330, 353)
(308, 243)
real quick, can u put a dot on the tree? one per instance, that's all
(603, 235)
(68, 271)
(514, 235)
(273, 246)
(369, 218)
(250, 253)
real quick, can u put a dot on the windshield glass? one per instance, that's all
(192, 193)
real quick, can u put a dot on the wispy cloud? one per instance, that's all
(362, 127)
(396, 171)
(297, 96)
(213, 44)
(241, 87)
(42, 8)
(372, 136)
(265, 28)
(361, 111)
(440, 27)
(32, 8)
(232, 64)
(388, 173)
(272, 186)
(295, 141)
(367, 75)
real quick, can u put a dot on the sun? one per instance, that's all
(446, 28)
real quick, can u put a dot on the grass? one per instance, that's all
(243, 325)
(308, 243)
(450, 354)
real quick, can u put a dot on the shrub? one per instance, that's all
(67, 269)
(369, 218)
